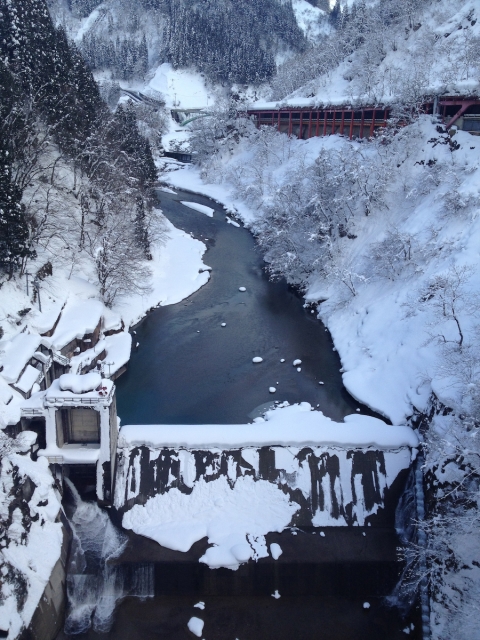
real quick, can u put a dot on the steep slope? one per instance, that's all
(388, 52)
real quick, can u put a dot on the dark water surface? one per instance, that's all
(180, 376)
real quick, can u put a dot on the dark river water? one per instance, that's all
(189, 369)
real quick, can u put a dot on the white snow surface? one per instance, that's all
(275, 550)
(195, 625)
(432, 55)
(79, 383)
(181, 88)
(78, 318)
(35, 555)
(176, 275)
(296, 425)
(28, 378)
(226, 516)
(208, 211)
(311, 20)
(14, 354)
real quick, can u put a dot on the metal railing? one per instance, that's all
(31, 412)
(61, 359)
(79, 399)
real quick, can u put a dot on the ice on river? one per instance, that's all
(297, 362)
(208, 211)
(195, 625)
(275, 550)
(257, 359)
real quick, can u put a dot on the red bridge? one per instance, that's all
(307, 122)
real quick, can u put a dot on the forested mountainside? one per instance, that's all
(76, 178)
(387, 52)
(228, 41)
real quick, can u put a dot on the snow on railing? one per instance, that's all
(31, 412)
(76, 398)
(61, 359)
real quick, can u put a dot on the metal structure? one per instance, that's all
(362, 122)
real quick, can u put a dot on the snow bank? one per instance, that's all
(297, 426)
(176, 275)
(226, 516)
(208, 211)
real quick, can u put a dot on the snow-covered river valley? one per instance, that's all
(190, 369)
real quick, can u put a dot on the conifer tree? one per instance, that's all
(14, 233)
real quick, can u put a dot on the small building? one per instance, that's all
(77, 427)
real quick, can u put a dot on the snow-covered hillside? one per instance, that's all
(388, 52)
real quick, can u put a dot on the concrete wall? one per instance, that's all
(333, 487)
(48, 619)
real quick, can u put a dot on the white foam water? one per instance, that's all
(94, 583)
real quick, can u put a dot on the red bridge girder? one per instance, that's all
(362, 122)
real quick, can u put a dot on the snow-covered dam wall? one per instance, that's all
(296, 461)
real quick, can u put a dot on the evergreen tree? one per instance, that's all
(14, 233)
(335, 14)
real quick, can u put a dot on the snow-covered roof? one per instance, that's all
(16, 354)
(111, 321)
(296, 425)
(80, 383)
(78, 318)
(28, 379)
(80, 395)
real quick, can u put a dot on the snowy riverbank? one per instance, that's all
(72, 308)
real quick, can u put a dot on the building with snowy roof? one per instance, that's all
(76, 423)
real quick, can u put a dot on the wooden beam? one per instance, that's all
(350, 135)
(289, 123)
(372, 126)
(309, 134)
(342, 124)
(300, 129)
(362, 123)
